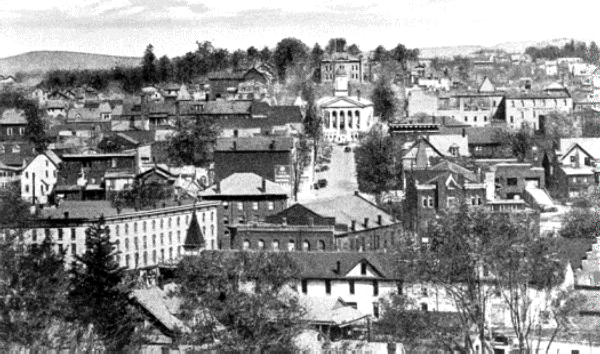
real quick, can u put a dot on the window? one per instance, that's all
(291, 245)
(22, 132)
(60, 234)
(363, 268)
(512, 119)
(430, 201)
(475, 119)
(261, 244)
(240, 206)
(275, 245)
(450, 202)
(304, 284)
(511, 181)
(328, 287)
(126, 244)
(34, 235)
(306, 245)
(423, 306)
(351, 285)
(376, 309)
(466, 119)
(9, 131)
(135, 227)
(246, 245)
(254, 205)
(135, 243)
(74, 236)
(225, 220)
(375, 288)
(424, 200)
(399, 287)
(424, 291)
(153, 224)
(153, 240)
(241, 220)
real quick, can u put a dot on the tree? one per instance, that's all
(385, 102)
(354, 50)
(336, 45)
(378, 166)
(265, 54)
(33, 288)
(301, 160)
(519, 142)
(149, 66)
(381, 54)
(580, 223)
(35, 129)
(98, 295)
(593, 54)
(193, 141)
(165, 69)
(558, 125)
(238, 300)
(141, 195)
(313, 123)
(15, 211)
(252, 53)
(289, 52)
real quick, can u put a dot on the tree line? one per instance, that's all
(571, 49)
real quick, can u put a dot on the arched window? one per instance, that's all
(321, 245)
(261, 244)
(350, 119)
(306, 245)
(342, 120)
(357, 115)
(275, 245)
(246, 245)
(291, 245)
(334, 118)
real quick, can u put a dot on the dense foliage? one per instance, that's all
(34, 131)
(581, 223)
(193, 142)
(142, 195)
(240, 301)
(570, 49)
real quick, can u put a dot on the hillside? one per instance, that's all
(510, 47)
(42, 61)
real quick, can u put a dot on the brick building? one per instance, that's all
(244, 198)
(280, 237)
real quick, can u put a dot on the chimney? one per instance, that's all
(264, 185)
(353, 227)
(234, 145)
(218, 187)
(284, 220)
(379, 220)
(338, 267)
(356, 193)
(366, 223)
(464, 132)
(66, 213)
(311, 221)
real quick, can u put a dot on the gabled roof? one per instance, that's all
(591, 146)
(244, 184)
(455, 168)
(194, 238)
(329, 310)
(160, 306)
(344, 101)
(323, 265)
(166, 174)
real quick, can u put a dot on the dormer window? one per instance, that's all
(454, 150)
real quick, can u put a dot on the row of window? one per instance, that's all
(255, 205)
(10, 131)
(145, 261)
(48, 234)
(291, 246)
(160, 224)
(351, 287)
(428, 202)
(485, 119)
(542, 102)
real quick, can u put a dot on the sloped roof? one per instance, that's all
(455, 168)
(323, 265)
(194, 237)
(348, 208)
(443, 143)
(341, 56)
(12, 116)
(161, 306)
(245, 184)
(589, 145)
(329, 310)
(330, 101)
(84, 114)
(56, 104)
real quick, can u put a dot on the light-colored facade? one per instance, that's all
(345, 117)
(527, 108)
(38, 178)
(145, 238)
(352, 66)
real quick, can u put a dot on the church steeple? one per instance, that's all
(194, 240)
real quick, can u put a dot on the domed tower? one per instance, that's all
(341, 82)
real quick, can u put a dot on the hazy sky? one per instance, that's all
(125, 27)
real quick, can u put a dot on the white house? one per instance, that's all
(39, 177)
(345, 117)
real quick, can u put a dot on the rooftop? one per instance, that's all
(12, 116)
(255, 144)
(247, 184)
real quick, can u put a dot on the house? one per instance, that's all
(483, 142)
(39, 177)
(56, 107)
(476, 108)
(267, 157)
(84, 176)
(352, 66)
(345, 118)
(13, 125)
(221, 82)
(146, 238)
(278, 237)
(361, 280)
(512, 179)
(575, 171)
(244, 198)
(358, 224)
(441, 187)
(527, 107)
(9, 175)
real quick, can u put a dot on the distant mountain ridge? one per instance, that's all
(42, 61)
(511, 47)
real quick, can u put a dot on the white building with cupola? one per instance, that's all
(345, 118)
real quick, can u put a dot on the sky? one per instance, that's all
(126, 27)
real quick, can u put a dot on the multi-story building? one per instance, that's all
(527, 107)
(345, 118)
(282, 237)
(352, 66)
(13, 125)
(512, 179)
(146, 238)
(39, 177)
(244, 198)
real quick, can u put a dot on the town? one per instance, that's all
(324, 199)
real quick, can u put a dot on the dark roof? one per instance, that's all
(194, 237)
(224, 75)
(537, 95)
(477, 135)
(323, 265)
(255, 144)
